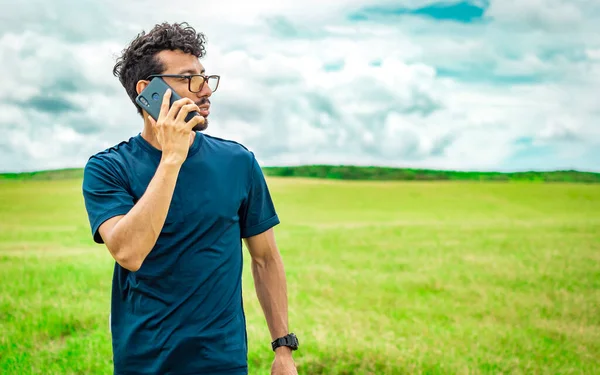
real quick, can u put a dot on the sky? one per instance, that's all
(503, 85)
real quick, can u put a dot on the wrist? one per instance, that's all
(285, 345)
(170, 163)
(283, 351)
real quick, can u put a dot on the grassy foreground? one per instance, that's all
(383, 278)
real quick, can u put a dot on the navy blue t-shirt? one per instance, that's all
(182, 311)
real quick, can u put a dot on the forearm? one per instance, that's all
(134, 236)
(271, 290)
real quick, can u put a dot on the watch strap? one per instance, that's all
(289, 340)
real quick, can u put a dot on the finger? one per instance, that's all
(164, 107)
(176, 107)
(198, 119)
(185, 110)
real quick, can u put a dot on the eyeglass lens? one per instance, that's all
(197, 81)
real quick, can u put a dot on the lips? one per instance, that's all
(204, 110)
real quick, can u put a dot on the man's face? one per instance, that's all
(178, 62)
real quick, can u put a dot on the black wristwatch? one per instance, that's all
(289, 340)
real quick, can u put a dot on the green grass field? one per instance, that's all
(383, 278)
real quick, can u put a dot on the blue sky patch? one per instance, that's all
(482, 74)
(524, 141)
(464, 12)
(529, 157)
(335, 66)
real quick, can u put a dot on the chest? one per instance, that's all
(204, 192)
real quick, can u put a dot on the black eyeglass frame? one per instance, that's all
(189, 78)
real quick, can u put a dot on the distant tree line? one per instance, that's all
(348, 172)
(407, 174)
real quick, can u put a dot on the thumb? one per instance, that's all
(152, 121)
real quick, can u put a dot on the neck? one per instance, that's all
(148, 135)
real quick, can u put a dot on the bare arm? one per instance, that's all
(131, 237)
(270, 283)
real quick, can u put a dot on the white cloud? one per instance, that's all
(593, 54)
(550, 15)
(380, 101)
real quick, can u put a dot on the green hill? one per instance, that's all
(58, 174)
(347, 172)
(407, 174)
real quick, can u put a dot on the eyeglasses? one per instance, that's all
(195, 81)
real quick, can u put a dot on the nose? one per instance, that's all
(205, 92)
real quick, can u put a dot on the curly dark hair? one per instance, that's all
(138, 60)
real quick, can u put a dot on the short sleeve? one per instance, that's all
(105, 194)
(257, 213)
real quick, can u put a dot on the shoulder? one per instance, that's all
(110, 161)
(117, 153)
(229, 149)
(234, 157)
(226, 144)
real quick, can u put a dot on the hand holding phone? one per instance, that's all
(151, 98)
(172, 123)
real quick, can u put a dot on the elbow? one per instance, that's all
(119, 243)
(130, 266)
(127, 259)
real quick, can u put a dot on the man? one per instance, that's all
(172, 206)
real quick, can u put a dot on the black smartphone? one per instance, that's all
(151, 98)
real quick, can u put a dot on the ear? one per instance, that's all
(141, 85)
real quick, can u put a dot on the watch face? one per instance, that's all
(290, 341)
(294, 343)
